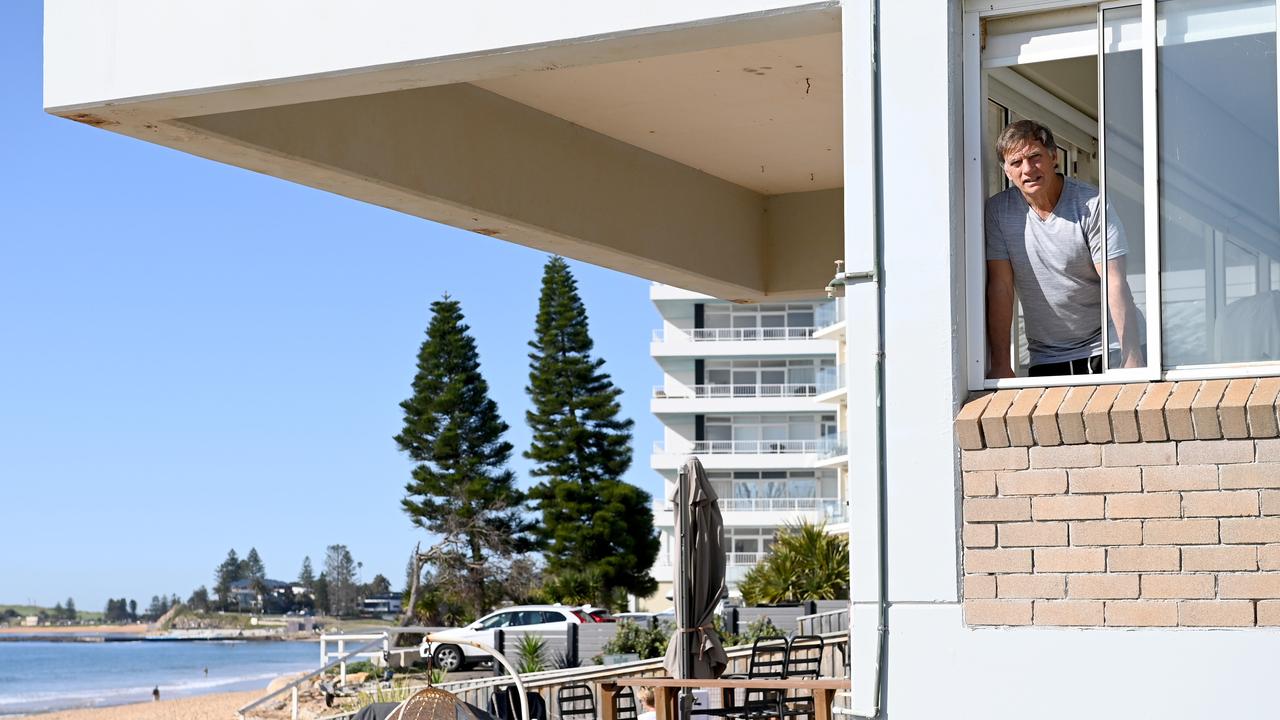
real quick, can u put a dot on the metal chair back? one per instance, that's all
(768, 658)
(804, 656)
(576, 702)
(624, 704)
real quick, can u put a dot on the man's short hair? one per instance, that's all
(1017, 134)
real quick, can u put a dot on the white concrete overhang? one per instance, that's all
(698, 146)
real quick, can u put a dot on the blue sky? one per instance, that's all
(194, 357)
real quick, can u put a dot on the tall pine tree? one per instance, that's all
(461, 487)
(598, 530)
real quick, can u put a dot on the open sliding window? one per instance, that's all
(1169, 110)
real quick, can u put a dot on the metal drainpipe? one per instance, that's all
(876, 276)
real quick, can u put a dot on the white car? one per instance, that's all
(526, 618)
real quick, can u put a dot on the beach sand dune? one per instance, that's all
(217, 706)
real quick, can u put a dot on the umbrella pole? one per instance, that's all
(686, 656)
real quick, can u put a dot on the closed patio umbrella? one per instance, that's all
(695, 650)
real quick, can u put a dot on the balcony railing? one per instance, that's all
(829, 379)
(770, 390)
(835, 447)
(732, 334)
(826, 447)
(828, 314)
(731, 559)
(832, 509)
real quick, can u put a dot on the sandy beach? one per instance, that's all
(134, 629)
(217, 706)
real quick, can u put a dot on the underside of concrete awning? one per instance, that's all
(704, 152)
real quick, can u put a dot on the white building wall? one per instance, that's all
(938, 667)
(679, 373)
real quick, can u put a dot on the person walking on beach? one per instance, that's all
(155, 694)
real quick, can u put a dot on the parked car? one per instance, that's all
(526, 618)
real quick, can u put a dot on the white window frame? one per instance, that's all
(1034, 46)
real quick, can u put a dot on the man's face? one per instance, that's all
(1031, 167)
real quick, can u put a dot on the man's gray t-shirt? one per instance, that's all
(1053, 267)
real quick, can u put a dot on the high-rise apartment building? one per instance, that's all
(755, 392)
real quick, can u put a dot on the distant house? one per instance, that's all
(243, 594)
(31, 621)
(382, 604)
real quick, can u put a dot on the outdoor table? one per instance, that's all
(664, 691)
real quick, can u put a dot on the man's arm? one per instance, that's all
(999, 317)
(1124, 313)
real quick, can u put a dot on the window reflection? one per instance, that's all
(1219, 207)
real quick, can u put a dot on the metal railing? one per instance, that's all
(828, 447)
(292, 687)
(775, 503)
(834, 447)
(823, 622)
(732, 334)
(769, 390)
(828, 314)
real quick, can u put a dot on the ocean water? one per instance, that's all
(39, 676)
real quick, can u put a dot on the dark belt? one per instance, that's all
(1079, 366)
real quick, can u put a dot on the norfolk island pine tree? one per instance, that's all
(461, 488)
(595, 527)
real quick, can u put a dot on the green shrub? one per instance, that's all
(530, 651)
(640, 639)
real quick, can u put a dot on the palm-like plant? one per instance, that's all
(805, 563)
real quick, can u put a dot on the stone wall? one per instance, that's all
(1078, 513)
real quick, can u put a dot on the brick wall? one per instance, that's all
(1127, 527)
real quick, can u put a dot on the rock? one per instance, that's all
(357, 678)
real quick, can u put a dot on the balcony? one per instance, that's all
(754, 334)
(829, 320)
(831, 387)
(788, 397)
(744, 454)
(727, 342)
(834, 452)
(780, 510)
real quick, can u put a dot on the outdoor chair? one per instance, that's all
(504, 704)
(768, 660)
(624, 704)
(576, 702)
(804, 660)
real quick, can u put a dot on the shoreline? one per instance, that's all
(210, 706)
(58, 630)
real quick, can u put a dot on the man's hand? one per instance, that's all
(999, 371)
(1124, 313)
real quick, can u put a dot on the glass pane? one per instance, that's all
(1216, 66)
(801, 319)
(803, 489)
(996, 120)
(715, 321)
(1125, 270)
(1242, 272)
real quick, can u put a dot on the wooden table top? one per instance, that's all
(826, 683)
